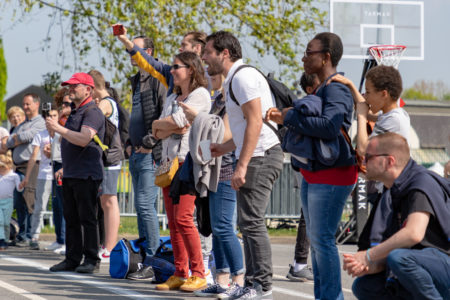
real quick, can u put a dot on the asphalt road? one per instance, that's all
(24, 275)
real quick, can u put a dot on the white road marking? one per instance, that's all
(306, 282)
(83, 279)
(292, 293)
(19, 291)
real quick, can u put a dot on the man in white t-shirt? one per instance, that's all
(259, 157)
(44, 179)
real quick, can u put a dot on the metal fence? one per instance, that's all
(285, 199)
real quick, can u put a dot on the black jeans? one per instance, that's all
(252, 200)
(302, 243)
(80, 213)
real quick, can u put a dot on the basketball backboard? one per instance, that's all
(365, 23)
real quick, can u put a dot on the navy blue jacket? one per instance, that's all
(413, 177)
(325, 151)
(337, 110)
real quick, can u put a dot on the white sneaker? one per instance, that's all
(104, 256)
(61, 250)
(209, 278)
(53, 246)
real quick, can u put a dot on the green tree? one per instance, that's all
(52, 82)
(272, 28)
(3, 79)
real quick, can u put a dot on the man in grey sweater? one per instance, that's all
(20, 144)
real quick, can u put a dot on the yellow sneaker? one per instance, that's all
(194, 283)
(173, 283)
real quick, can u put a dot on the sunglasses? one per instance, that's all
(177, 66)
(370, 156)
(65, 103)
(308, 53)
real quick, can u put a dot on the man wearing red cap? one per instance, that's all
(83, 173)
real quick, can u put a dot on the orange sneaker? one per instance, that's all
(194, 283)
(173, 283)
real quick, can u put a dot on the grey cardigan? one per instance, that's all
(206, 173)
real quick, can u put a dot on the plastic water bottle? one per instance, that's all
(175, 108)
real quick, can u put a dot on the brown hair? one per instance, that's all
(15, 110)
(386, 78)
(197, 38)
(99, 80)
(198, 78)
(59, 96)
(393, 144)
(6, 160)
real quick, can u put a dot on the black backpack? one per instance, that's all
(124, 123)
(284, 97)
(111, 145)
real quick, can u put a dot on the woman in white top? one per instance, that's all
(173, 128)
(108, 188)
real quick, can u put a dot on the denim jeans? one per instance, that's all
(226, 246)
(422, 274)
(57, 207)
(252, 200)
(322, 206)
(142, 168)
(23, 216)
(6, 208)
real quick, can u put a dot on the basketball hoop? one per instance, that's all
(387, 55)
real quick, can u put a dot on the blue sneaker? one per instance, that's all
(231, 292)
(247, 293)
(211, 291)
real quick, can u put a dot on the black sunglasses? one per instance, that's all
(308, 53)
(177, 66)
(368, 156)
(65, 103)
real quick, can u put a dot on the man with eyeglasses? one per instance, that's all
(82, 174)
(410, 236)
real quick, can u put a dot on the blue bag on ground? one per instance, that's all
(162, 262)
(126, 257)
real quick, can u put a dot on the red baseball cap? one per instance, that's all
(78, 78)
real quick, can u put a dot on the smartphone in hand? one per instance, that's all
(118, 29)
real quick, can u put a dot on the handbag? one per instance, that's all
(166, 170)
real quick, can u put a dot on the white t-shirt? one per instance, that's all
(45, 166)
(249, 84)
(8, 183)
(396, 120)
(3, 133)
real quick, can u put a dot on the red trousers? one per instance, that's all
(184, 236)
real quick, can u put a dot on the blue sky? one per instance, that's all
(27, 67)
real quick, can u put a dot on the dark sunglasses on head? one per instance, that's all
(177, 66)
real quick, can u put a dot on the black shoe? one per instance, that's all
(3, 244)
(22, 243)
(145, 273)
(34, 245)
(303, 275)
(88, 268)
(63, 266)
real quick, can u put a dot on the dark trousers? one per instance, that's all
(57, 207)
(80, 213)
(252, 200)
(302, 243)
(23, 216)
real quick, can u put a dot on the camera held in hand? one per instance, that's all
(46, 108)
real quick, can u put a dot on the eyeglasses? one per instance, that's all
(308, 53)
(177, 66)
(368, 156)
(65, 103)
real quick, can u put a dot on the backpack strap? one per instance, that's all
(275, 130)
